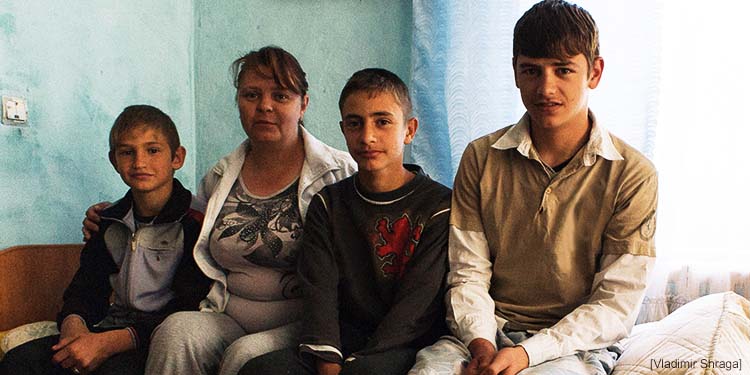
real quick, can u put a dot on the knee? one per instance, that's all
(255, 345)
(259, 365)
(283, 361)
(31, 355)
(354, 368)
(15, 358)
(446, 356)
(235, 356)
(240, 352)
(395, 361)
(179, 330)
(360, 367)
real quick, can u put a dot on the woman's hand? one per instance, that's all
(92, 219)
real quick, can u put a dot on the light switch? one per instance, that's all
(15, 111)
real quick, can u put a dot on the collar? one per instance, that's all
(393, 196)
(318, 156)
(599, 143)
(173, 210)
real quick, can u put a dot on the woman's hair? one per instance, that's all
(274, 63)
(556, 29)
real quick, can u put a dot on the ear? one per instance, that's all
(411, 130)
(597, 68)
(113, 160)
(178, 159)
(305, 103)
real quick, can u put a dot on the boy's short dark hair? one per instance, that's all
(376, 81)
(556, 29)
(148, 116)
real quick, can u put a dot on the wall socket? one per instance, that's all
(15, 111)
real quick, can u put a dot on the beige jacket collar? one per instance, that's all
(599, 143)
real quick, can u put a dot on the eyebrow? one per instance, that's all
(557, 63)
(564, 63)
(275, 88)
(372, 114)
(382, 113)
(132, 145)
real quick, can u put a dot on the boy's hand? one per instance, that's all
(482, 353)
(84, 353)
(327, 368)
(507, 361)
(92, 219)
(72, 327)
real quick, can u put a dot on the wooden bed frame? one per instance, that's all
(32, 281)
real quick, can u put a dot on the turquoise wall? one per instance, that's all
(331, 39)
(78, 63)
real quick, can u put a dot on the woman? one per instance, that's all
(257, 198)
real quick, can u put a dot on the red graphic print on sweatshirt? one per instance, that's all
(396, 243)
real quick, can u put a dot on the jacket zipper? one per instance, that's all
(133, 246)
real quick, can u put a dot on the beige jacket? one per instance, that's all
(566, 254)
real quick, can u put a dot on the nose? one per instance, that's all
(265, 104)
(139, 159)
(367, 135)
(547, 83)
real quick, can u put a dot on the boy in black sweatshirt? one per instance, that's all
(374, 251)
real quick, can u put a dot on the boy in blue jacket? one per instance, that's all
(140, 260)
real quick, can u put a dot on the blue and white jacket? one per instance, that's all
(148, 272)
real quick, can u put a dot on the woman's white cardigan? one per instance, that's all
(323, 166)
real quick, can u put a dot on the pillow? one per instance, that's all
(25, 333)
(710, 335)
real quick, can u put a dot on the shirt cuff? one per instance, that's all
(541, 348)
(133, 337)
(479, 330)
(327, 353)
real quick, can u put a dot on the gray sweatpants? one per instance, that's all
(209, 343)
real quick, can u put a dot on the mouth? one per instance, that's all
(140, 176)
(264, 123)
(369, 154)
(548, 106)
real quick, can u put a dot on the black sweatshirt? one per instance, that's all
(372, 268)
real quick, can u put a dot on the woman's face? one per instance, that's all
(268, 112)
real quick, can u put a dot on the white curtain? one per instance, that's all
(674, 86)
(702, 153)
(462, 78)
